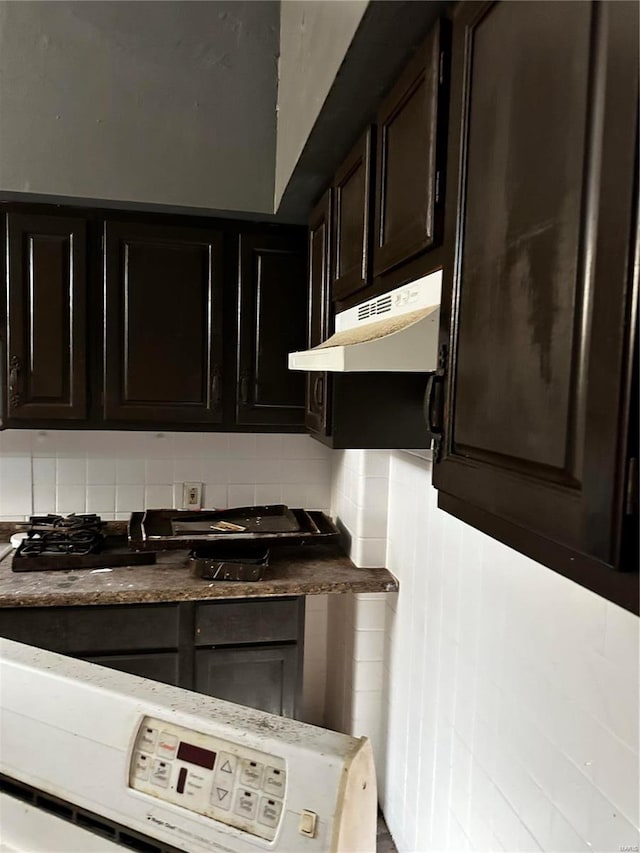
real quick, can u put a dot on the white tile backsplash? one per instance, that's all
(121, 472)
(15, 486)
(71, 498)
(101, 499)
(44, 471)
(507, 715)
(71, 471)
(100, 472)
(158, 496)
(241, 495)
(129, 498)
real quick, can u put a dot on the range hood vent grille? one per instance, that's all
(381, 305)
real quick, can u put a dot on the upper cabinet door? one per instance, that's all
(47, 285)
(272, 313)
(352, 220)
(316, 412)
(410, 157)
(163, 331)
(537, 291)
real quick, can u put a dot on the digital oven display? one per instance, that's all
(196, 755)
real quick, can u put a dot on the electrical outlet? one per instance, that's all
(191, 495)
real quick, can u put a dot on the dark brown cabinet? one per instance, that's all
(352, 220)
(163, 323)
(126, 320)
(319, 300)
(244, 651)
(272, 309)
(411, 146)
(537, 324)
(46, 328)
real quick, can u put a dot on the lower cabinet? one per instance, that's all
(261, 677)
(244, 651)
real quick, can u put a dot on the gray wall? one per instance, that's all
(163, 102)
(314, 38)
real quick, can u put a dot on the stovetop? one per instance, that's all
(75, 541)
(58, 534)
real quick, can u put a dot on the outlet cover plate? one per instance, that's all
(191, 495)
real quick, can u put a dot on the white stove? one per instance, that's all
(95, 760)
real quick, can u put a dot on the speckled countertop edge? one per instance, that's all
(314, 570)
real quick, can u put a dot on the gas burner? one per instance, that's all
(58, 534)
(67, 522)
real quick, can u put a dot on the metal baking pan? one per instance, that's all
(277, 518)
(230, 561)
(164, 529)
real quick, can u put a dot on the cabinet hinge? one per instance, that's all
(443, 352)
(434, 403)
(631, 497)
(437, 186)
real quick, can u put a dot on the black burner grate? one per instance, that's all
(59, 534)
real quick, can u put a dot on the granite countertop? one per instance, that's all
(292, 571)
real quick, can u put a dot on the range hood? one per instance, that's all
(394, 332)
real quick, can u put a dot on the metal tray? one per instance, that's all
(163, 529)
(251, 519)
(230, 561)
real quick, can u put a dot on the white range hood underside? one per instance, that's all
(404, 340)
(407, 343)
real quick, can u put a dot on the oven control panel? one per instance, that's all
(226, 781)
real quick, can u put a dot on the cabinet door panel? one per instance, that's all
(352, 220)
(47, 317)
(263, 677)
(163, 344)
(157, 666)
(272, 317)
(537, 287)
(409, 158)
(316, 413)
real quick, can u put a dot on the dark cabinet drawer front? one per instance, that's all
(94, 629)
(235, 623)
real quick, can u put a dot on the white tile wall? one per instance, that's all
(507, 713)
(116, 473)
(359, 499)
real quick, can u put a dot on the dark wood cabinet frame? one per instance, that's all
(320, 321)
